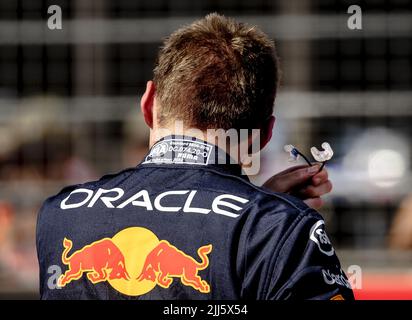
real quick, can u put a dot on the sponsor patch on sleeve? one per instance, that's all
(318, 235)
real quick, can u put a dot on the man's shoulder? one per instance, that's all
(265, 201)
(261, 194)
(104, 182)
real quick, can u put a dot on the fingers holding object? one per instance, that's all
(320, 177)
(313, 191)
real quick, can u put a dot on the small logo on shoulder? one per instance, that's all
(318, 235)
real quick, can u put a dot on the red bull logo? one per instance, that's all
(133, 262)
(101, 260)
(166, 261)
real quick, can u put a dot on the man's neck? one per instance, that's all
(228, 141)
(156, 135)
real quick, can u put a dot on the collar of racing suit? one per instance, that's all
(178, 150)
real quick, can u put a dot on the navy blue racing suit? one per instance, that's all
(184, 225)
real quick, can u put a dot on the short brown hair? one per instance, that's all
(217, 73)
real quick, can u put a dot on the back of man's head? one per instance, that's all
(216, 73)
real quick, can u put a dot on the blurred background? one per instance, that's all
(69, 113)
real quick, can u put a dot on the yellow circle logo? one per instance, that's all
(135, 243)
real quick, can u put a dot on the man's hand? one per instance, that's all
(303, 182)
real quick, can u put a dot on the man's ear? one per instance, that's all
(267, 131)
(147, 103)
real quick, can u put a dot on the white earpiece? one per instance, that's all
(322, 156)
(293, 153)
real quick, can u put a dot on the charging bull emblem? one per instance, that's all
(166, 262)
(102, 260)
